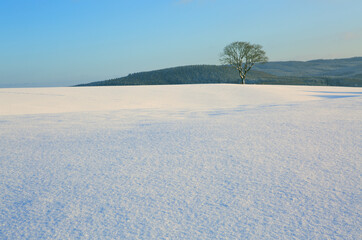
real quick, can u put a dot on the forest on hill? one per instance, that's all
(336, 72)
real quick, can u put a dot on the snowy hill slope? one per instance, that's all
(181, 162)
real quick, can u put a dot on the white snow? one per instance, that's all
(181, 162)
(167, 97)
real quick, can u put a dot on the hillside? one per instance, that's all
(346, 67)
(196, 74)
(337, 72)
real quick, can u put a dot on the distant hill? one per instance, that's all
(346, 67)
(336, 72)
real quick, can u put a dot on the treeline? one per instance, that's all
(270, 73)
(197, 74)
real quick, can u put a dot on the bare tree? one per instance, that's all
(243, 56)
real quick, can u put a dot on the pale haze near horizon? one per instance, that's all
(66, 42)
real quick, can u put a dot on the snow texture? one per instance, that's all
(181, 162)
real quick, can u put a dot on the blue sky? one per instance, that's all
(65, 42)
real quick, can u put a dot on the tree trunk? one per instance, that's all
(242, 77)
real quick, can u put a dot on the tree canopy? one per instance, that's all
(243, 56)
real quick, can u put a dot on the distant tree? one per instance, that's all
(243, 56)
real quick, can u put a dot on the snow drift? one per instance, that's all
(181, 162)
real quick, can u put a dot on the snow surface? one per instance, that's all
(181, 162)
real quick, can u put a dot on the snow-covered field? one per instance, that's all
(181, 162)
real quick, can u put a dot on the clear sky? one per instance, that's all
(65, 42)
